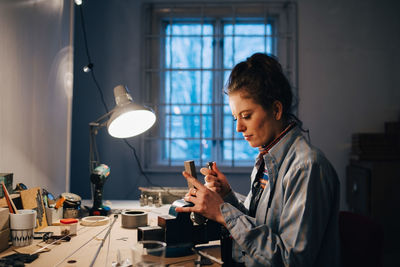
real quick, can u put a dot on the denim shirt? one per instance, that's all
(296, 222)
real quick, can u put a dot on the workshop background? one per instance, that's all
(348, 65)
(348, 82)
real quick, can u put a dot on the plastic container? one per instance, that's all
(69, 226)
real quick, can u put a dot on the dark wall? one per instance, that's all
(109, 31)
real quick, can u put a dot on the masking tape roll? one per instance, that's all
(133, 218)
(95, 220)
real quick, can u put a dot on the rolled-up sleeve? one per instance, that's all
(304, 199)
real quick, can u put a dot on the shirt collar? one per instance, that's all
(266, 148)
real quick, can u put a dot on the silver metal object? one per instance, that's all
(133, 218)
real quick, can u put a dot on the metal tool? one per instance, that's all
(191, 169)
(61, 261)
(207, 256)
(51, 243)
(104, 239)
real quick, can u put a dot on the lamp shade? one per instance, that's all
(128, 119)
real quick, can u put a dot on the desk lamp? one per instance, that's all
(127, 119)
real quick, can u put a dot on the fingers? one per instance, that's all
(213, 184)
(211, 181)
(207, 171)
(184, 209)
(193, 180)
(193, 191)
(190, 199)
(209, 178)
(216, 170)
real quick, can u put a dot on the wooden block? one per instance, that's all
(4, 218)
(165, 220)
(191, 169)
(16, 199)
(32, 199)
(4, 238)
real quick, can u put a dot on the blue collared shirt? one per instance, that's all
(296, 222)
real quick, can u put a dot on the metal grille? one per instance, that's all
(189, 51)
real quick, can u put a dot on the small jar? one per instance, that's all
(69, 226)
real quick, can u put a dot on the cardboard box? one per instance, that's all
(4, 218)
(4, 239)
(7, 178)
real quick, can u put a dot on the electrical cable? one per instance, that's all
(144, 174)
(83, 26)
(106, 108)
(140, 165)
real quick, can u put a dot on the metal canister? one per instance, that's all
(71, 205)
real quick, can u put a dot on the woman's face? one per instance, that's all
(259, 127)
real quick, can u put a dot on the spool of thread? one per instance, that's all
(133, 218)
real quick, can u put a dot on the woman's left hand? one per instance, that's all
(206, 202)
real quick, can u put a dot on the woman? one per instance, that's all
(290, 216)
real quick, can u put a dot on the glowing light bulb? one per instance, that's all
(88, 67)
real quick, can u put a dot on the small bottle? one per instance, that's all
(150, 201)
(156, 202)
(145, 200)
(160, 199)
(141, 201)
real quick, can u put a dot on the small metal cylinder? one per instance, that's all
(133, 218)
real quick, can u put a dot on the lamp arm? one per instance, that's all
(99, 122)
(94, 159)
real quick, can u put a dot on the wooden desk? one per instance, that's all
(120, 240)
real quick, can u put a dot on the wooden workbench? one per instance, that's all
(119, 241)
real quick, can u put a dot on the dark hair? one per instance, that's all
(262, 79)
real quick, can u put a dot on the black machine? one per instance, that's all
(181, 231)
(98, 177)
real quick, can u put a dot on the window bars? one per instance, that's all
(189, 51)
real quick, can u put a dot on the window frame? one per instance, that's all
(285, 17)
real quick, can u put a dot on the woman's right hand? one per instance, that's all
(216, 180)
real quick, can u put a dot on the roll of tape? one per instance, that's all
(95, 220)
(133, 218)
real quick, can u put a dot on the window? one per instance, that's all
(189, 53)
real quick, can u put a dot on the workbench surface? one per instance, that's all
(81, 250)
